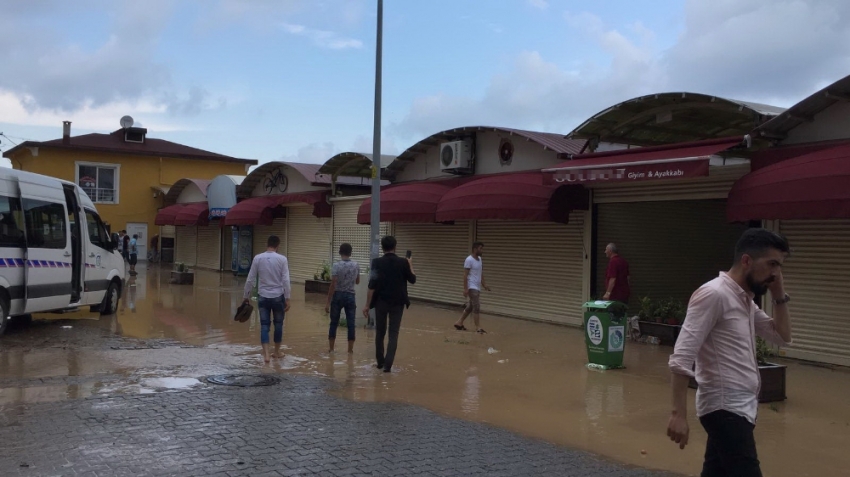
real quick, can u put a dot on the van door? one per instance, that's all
(48, 255)
(97, 249)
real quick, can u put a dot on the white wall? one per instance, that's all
(191, 194)
(831, 123)
(527, 156)
(295, 183)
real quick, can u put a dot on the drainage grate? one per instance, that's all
(243, 380)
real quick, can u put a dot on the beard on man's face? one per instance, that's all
(758, 287)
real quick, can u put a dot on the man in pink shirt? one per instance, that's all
(718, 335)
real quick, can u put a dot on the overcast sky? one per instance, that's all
(294, 79)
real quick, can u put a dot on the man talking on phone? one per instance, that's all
(388, 281)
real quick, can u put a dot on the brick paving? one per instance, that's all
(293, 428)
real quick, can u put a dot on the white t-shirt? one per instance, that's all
(474, 267)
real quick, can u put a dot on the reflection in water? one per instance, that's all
(536, 385)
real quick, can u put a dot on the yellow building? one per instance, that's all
(125, 173)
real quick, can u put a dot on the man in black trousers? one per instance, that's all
(388, 281)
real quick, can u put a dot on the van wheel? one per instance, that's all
(110, 300)
(4, 316)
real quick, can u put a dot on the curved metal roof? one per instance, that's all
(805, 110)
(175, 190)
(353, 164)
(668, 118)
(548, 141)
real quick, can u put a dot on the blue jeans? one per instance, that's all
(267, 307)
(340, 301)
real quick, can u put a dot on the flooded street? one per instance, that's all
(522, 376)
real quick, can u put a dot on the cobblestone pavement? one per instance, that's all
(293, 428)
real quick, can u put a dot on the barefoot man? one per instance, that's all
(272, 271)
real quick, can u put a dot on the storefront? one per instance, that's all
(215, 249)
(289, 200)
(665, 209)
(534, 234)
(186, 210)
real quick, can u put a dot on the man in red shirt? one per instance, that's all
(617, 276)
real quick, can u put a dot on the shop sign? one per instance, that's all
(632, 173)
(218, 212)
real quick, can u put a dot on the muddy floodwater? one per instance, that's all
(524, 376)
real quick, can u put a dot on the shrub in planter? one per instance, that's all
(662, 319)
(323, 274)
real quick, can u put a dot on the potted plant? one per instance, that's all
(662, 319)
(181, 275)
(321, 281)
(772, 375)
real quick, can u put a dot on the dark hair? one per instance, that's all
(477, 244)
(135, 236)
(388, 243)
(274, 241)
(756, 242)
(345, 249)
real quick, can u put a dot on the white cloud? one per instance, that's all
(314, 153)
(770, 51)
(541, 4)
(323, 38)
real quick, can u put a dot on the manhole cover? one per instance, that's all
(243, 380)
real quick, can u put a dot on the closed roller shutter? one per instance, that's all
(438, 254)
(535, 270)
(263, 232)
(209, 247)
(166, 243)
(672, 247)
(226, 248)
(716, 186)
(817, 276)
(347, 230)
(186, 245)
(309, 242)
(167, 231)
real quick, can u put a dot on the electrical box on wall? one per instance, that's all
(457, 157)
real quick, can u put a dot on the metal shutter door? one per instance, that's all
(672, 247)
(817, 276)
(438, 254)
(309, 242)
(166, 235)
(263, 232)
(209, 247)
(715, 186)
(167, 231)
(226, 248)
(186, 245)
(535, 269)
(347, 230)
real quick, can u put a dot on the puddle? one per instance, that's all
(535, 384)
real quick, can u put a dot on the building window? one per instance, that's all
(99, 181)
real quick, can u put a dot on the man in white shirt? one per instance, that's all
(271, 270)
(473, 283)
(719, 336)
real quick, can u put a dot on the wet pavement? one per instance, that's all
(128, 390)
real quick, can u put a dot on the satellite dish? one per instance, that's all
(126, 122)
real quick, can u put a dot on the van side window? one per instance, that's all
(11, 222)
(45, 224)
(97, 233)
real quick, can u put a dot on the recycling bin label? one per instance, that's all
(594, 330)
(616, 338)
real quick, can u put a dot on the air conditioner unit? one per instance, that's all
(456, 156)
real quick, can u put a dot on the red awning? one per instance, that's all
(407, 203)
(262, 210)
(518, 196)
(196, 213)
(166, 215)
(675, 161)
(814, 186)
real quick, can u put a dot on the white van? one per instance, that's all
(55, 252)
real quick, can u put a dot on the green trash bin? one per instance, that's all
(605, 333)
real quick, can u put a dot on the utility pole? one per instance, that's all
(376, 146)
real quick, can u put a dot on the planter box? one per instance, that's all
(316, 286)
(183, 278)
(772, 382)
(668, 334)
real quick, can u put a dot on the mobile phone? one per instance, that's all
(408, 254)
